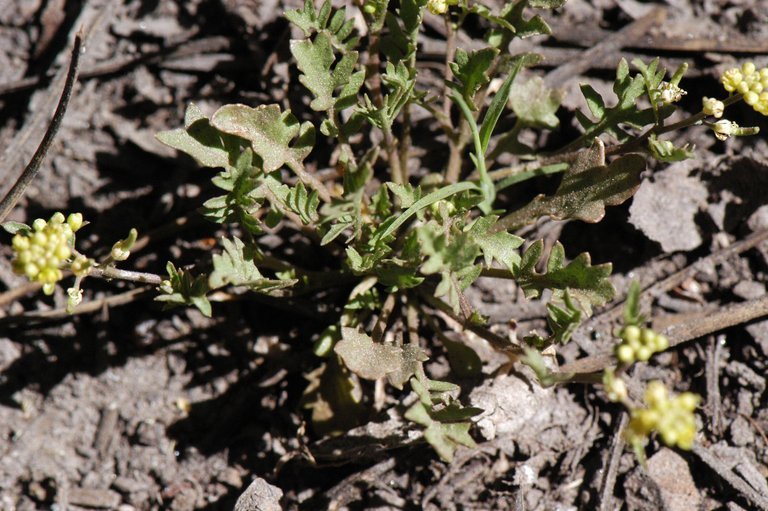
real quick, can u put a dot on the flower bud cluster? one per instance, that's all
(639, 344)
(671, 417)
(749, 82)
(40, 252)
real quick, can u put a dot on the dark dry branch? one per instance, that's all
(84, 308)
(681, 328)
(712, 373)
(612, 464)
(736, 482)
(15, 193)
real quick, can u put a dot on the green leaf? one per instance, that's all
(447, 427)
(242, 199)
(587, 187)
(365, 358)
(235, 266)
(206, 144)
(16, 227)
(385, 231)
(544, 374)
(445, 253)
(471, 71)
(594, 100)
(588, 284)
(411, 364)
(512, 23)
(315, 60)
(628, 90)
(332, 23)
(665, 150)
(563, 321)
(536, 105)
(398, 42)
(464, 361)
(295, 199)
(499, 245)
(632, 314)
(277, 137)
(306, 18)
(182, 288)
(270, 132)
(406, 193)
(335, 399)
(400, 82)
(497, 107)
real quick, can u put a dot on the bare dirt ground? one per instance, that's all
(132, 407)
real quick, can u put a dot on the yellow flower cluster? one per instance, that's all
(40, 252)
(639, 344)
(749, 82)
(672, 418)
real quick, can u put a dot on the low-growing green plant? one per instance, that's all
(409, 242)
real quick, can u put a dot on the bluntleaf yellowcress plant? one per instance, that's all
(408, 243)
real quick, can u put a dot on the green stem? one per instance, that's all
(486, 185)
(425, 201)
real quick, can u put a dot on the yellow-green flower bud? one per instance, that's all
(75, 221)
(669, 93)
(742, 87)
(615, 387)
(31, 270)
(631, 333)
(57, 218)
(713, 107)
(748, 68)
(751, 98)
(724, 129)
(122, 249)
(81, 266)
(437, 7)
(39, 224)
(688, 401)
(731, 79)
(644, 354)
(655, 394)
(625, 353)
(74, 298)
(20, 243)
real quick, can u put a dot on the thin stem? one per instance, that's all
(450, 52)
(381, 323)
(110, 272)
(498, 342)
(486, 185)
(343, 139)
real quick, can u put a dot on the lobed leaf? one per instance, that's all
(500, 246)
(586, 283)
(182, 288)
(586, 189)
(203, 142)
(315, 59)
(536, 105)
(471, 71)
